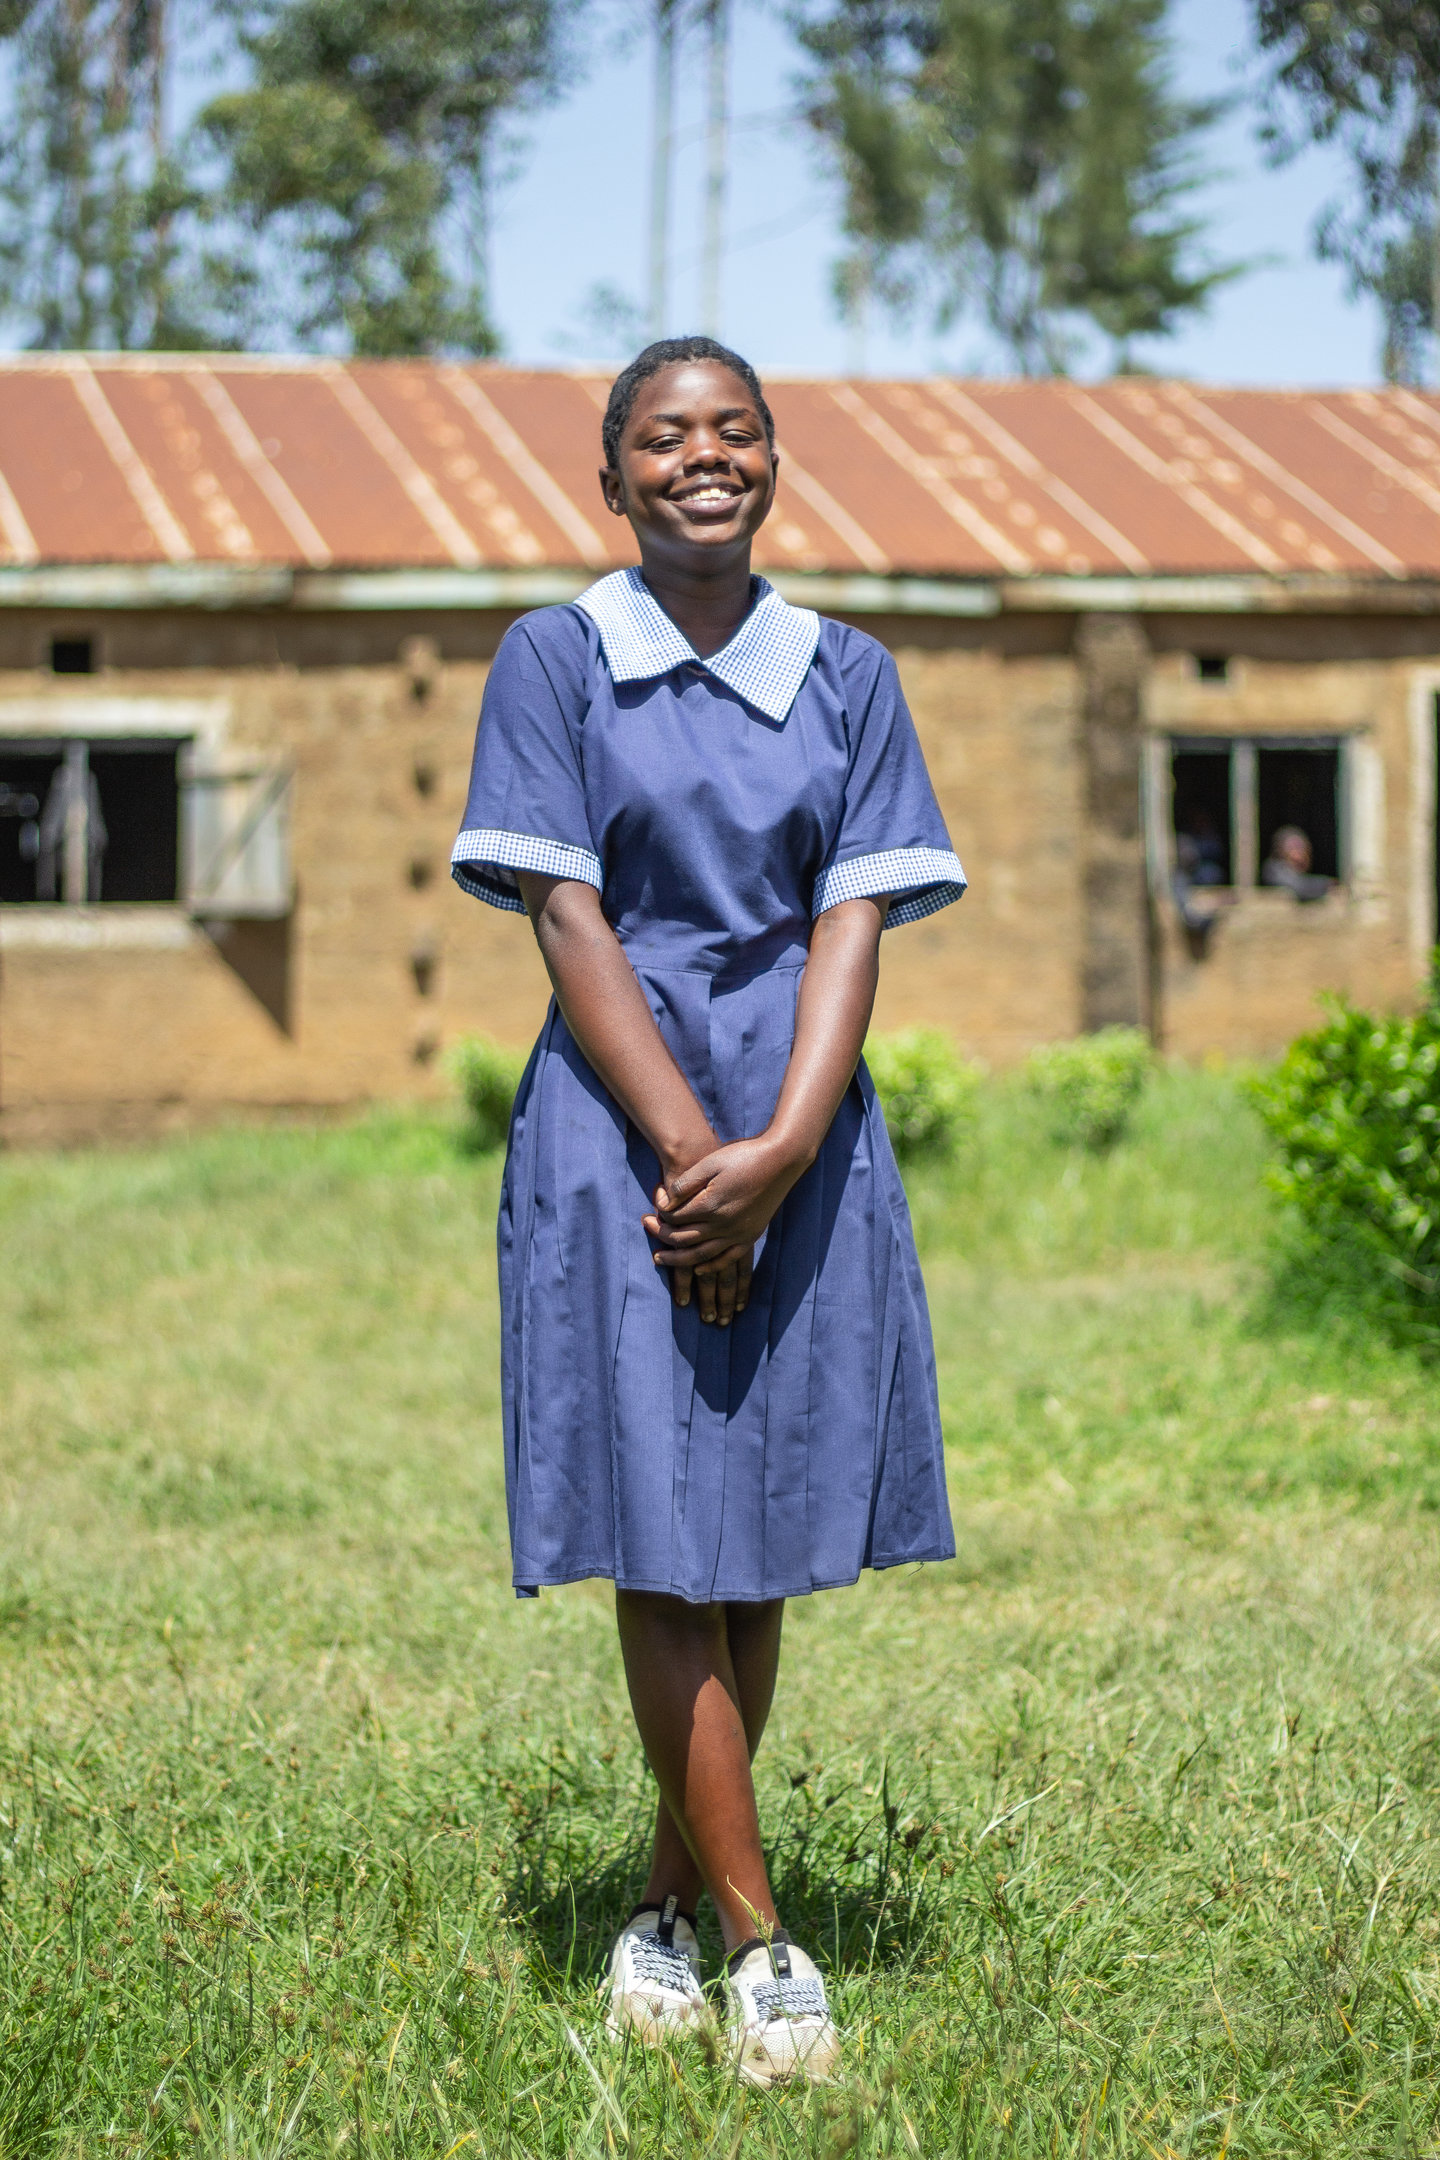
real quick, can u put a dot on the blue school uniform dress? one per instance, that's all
(718, 806)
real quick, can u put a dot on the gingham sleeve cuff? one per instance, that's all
(484, 863)
(919, 880)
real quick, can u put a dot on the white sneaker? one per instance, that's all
(654, 1977)
(780, 2024)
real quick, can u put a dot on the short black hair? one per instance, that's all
(668, 352)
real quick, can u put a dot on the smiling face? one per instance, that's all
(697, 474)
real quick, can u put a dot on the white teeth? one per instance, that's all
(709, 495)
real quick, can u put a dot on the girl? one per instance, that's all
(719, 1388)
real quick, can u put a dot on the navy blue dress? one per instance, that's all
(718, 806)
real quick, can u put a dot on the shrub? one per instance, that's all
(926, 1089)
(1354, 1111)
(487, 1076)
(1090, 1087)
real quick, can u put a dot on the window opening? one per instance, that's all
(1301, 789)
(1231, 796)
(1212, 667)
(89, 822)
(25, 779)
(72, 656)
(139, 789)
(1201, 784)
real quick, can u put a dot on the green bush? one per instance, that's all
(926, 1089)
(1090, 1087)
(1354, 1111)
(487, 1076)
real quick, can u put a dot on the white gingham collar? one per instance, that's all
(764, 663)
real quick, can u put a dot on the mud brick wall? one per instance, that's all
(116, 1020)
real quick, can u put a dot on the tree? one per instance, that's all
(86, 192)
(1366, 74)
(338, 198)
(350, 191)
(1024, 157)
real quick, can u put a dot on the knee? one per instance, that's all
(673, 1616)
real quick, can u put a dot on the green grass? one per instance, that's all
(1117, 1836)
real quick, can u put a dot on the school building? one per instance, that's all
(247, 606)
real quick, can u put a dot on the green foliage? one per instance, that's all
(1354, 1111)
(1091, 1086)
(487, 1075)
(926, 1090)
(1020, 158)
(335, 198)
(85, 200)
(1365, 74)
(355, 161)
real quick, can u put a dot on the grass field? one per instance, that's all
(1117, 1836)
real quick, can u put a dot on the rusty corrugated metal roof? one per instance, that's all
(317, 464)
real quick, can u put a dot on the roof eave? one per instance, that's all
(81, 587)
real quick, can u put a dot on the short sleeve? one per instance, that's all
(892, 839)
(526, 807)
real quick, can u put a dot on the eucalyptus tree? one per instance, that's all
(87, 192)
(1026, 160)
(350, 173)
(1365, 74)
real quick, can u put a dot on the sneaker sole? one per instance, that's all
(802, 2049)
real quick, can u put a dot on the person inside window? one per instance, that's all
(1288, 865)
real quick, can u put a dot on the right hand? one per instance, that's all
(720, 1286)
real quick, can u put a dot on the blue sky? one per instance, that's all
(573, 215)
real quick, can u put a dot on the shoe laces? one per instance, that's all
(661, 1964)
(789, 1996)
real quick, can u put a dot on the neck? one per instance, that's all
(708, 603)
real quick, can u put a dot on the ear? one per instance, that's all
(612, 487)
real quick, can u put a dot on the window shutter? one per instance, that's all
(236, 843)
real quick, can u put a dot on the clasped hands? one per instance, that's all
(708, 1217)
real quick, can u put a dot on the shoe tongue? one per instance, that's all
(666, 1929)
(777, 1951)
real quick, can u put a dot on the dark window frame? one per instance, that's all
(143, 834)
(1248, 841)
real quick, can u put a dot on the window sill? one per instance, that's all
(30, 926)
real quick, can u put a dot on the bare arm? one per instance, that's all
(718, 1207)
(606, 1012)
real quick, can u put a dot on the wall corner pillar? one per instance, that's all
(1113, 655)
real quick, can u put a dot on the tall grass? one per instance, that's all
(1117, 1836)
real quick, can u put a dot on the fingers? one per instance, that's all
(744, 1269)
(681, 1279)
(715, 1250)
(726, 1280)
(705, 1297)
(686, 1183)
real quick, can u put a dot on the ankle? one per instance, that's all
(747, 1926)
(659, 1887)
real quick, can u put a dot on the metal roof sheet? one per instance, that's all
(417, 464)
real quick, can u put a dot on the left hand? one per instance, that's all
(710, 1216)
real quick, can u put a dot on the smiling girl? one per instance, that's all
(719, 1388)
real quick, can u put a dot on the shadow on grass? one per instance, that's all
(1338, 1287)
(851, 1870)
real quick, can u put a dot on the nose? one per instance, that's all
(706, 452)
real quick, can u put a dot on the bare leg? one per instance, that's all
(701, 1681)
